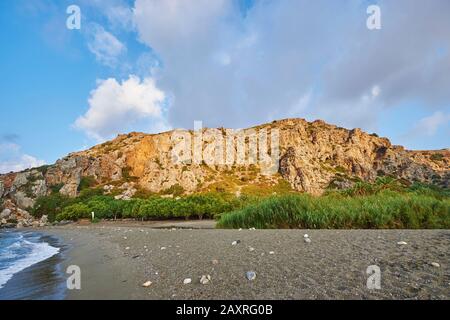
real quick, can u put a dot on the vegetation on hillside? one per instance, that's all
(387, 203)
(208, 205)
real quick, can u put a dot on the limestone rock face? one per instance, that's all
(13, 216)
(312, 157)
(5, 214)
(71, 183)
(22, 201)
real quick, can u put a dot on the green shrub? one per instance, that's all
(429, 190)
(50, 205)
(86, 182)
(56, 188)
(74, 212)
(176, 190)
(362, 188)
(387, 203)
(43, 169)
(386, 209)
(437, 157)
(89, 193)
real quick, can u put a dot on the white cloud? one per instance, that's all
(376, 91)
(120, 17)
(431, 124)
(301, 105)
(13, 159)
(118, 12)
(114, 107)
(166, 24)
(105, 46)
(230, 69)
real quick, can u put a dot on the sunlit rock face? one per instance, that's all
(312, 156)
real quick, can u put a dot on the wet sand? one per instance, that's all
(116, 259)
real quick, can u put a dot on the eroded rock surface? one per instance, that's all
(313, 157)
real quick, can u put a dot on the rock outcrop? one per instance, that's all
(313, 156)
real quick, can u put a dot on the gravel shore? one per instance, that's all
(117, 259)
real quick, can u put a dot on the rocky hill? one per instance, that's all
(313, 156)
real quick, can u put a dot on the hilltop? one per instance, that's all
(313, 157)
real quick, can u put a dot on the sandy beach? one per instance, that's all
(117, 258)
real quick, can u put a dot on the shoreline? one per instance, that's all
(43, 280)
(117, 258)
(115, 261)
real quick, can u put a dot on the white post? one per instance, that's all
(93, 215)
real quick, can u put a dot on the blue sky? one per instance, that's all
(150, 65)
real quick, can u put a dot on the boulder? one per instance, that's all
(108, 188)
(5, 214)
(23, 214)
(205, 279)
(251, 275)
(22, 201)
(20, 180)
(44, 219)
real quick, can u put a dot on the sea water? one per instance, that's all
(21, 250)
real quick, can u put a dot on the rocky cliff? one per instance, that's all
(313, 156)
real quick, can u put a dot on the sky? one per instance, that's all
(155, 65)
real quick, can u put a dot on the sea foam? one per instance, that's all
(33, 253)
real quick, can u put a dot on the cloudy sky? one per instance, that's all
(153, 65)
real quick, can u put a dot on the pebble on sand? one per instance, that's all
(271, 252)
(215, 261)
(235, 242)
(401, 243)
(307, 240)
(251, 249)
(205, 279)
(435, 264)
(187, 281)
(251, 275)
(147, 284)
(163, 248)
(127, 248)
(305, 235)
